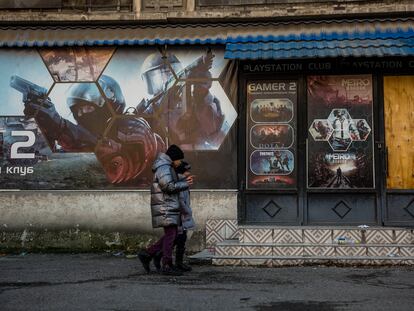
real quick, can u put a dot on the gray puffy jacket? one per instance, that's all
(165, 189)
(187, 220)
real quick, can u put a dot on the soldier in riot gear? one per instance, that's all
(90, 110)
(157, 73)
(128, 149)
(186, 112)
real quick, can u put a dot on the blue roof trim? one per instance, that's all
(356, 35)
(388, 42)
(319, 45)
(322, 53)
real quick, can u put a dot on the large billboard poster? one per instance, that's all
(340, 144)
(96, 117)
(271, 126)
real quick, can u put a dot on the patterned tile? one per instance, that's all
(257, 236)
(382, 251)
(287, 262)
(232, 230)
(351, 251)
(211, 224)
(317, 236)
(403, 237)
(257, 251)
(319, 251)
(226, 262)
(225, 250)
(287, 236)
(355, 235)
(379, 236)
(288, 251)
(407, 251)
(215, 231)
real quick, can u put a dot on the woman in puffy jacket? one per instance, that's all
(165, 207)
(187, 223)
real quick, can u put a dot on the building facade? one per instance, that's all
(292, 113)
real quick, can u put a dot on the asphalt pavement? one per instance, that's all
(107, 282)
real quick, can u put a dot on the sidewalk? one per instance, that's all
(105, 282)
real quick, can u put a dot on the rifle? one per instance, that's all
(202, 63)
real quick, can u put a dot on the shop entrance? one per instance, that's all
(327, 142)
(310, 152)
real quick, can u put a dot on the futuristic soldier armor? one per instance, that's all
(159, 82)
(129, 149)
(186, 111)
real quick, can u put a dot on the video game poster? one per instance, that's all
(271, 126)
(340, 120)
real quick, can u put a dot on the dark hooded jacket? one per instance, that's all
(165, 189)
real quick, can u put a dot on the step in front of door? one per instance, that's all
(232, 252)
(219, 230)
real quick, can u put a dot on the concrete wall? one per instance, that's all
(96, 220)
(194, 12)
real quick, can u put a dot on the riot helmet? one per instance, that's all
(156, 73)
(89, 107)
(113, 93)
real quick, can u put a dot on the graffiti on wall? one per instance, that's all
(96, 117)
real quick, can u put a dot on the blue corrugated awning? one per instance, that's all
(382, 38)
(270, 40)
(52, 36)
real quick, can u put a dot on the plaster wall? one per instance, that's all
(95, 220)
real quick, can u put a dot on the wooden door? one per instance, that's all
(399, 155)
(399, 131)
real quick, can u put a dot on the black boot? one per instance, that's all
(179, 263)
(179, 252)
(157, 261)
(170, 270)
(182, 267)
(145, 259)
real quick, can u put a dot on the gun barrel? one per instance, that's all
(25, 87)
